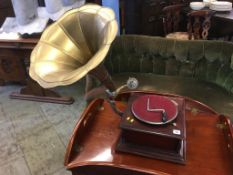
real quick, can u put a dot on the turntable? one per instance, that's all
(154, 126)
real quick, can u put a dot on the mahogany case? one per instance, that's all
(165, 142)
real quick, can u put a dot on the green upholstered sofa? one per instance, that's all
(201, 70)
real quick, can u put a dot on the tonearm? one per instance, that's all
(132, 83)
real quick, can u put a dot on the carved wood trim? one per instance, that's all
(171, 18)
(11, 66)
(199, 24)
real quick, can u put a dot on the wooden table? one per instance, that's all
(221, 23)
(14, 63)
(91, 149)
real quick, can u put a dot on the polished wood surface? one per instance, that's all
(91, 149)
(21, 43)
(14, 63)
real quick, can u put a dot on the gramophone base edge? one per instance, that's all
(59, 100)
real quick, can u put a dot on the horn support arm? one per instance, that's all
(101, 73)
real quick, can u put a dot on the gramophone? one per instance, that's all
(75, 46)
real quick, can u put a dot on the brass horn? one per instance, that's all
(73, 46)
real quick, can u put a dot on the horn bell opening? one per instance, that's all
(72, 46)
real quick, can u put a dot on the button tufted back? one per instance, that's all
(211, 61)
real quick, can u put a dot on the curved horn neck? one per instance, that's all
(101, 73)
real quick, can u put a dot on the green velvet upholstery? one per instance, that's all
(200, 69)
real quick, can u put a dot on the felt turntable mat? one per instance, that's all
(140, 109)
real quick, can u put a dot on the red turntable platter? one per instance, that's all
(154, 109)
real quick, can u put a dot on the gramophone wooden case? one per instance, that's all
(165, 141)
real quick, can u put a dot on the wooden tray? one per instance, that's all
(91, 149)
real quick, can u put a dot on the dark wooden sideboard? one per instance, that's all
(15, 60)
(14, 57)
(14, 64)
